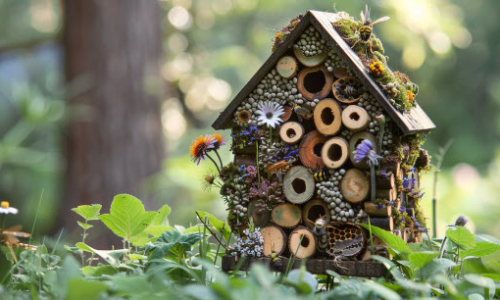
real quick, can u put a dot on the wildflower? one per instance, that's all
(6, 209)
(376, 68)
(200, 146)
(402, 209)
(379, 206)
(241, 168)
(410, 95)
(219, 141)
(269, 114)
(209, 180)
(365, 151)
(461, 221)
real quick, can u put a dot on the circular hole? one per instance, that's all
(305, 241)
(358, 142)
(334, 152)
(299, 185)
(354, 116)
(314, 81)
(290, 133)
(327, 116)
(317, 149)
(315, 212)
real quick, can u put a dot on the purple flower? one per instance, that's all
(365, 151)
(379, 206)
(402, 209)
(461, 221)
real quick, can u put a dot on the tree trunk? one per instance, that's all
(114, 139)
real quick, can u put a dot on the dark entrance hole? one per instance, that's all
(358, 142)
(327, 116)
(317, 149)
(290, 133)
(334, 152)
(305, 241)
(315, 212)
(354, 116)
(314, 81)
(299, 185)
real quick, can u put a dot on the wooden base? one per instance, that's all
(314, 266)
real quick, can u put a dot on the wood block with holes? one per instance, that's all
(302, 242)
(314, 83)
(298, 185)
(335, 152)
(286, 215)
(376, 210)
(355, 118)
(275, 240)
(328, 117)
(291, 132)
(355, 186)
(310, 150)
(387, 194)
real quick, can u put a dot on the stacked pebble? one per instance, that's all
(238, 200)
(329, 191)
(310, 42)
(335, 62)
(347, 134)
(386, 141)
(272, 87)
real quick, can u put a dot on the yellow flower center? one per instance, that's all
(5, 204)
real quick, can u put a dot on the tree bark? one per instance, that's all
(114, 139)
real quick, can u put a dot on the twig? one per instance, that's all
(215, 236)
(218, 246)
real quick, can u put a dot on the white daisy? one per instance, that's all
(270, 113)
(6, 209)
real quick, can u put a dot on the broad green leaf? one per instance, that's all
(134, 256)
(301, 277)
(393, 241)
(435, 266)
(391, 266)
(162, 217)
(172, 243)
(79, 288)
(481, 281)
(127, 217)
(481, 249)
(99, 270)
(88, 212)
(85, 226)
(111, 257)
(461, 236)
(221, 226)
(380, 290)
(419, 259)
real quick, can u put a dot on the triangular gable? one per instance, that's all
(414, 121)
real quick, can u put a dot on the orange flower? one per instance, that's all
(410, 95)
(200, 146)
(376, 68)
(219, 140)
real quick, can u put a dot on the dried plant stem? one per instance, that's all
(220, 160)
(208, 228)
(217, 166)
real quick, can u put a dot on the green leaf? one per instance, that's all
(481, 249)
(79, 288)
(162, 216)
(99, 270)
(380, 290)
(221, 226)
(301, 277)
(461, 236)
(393, 241)
(84, 225)
(127, 217)
(172, 243)
(484, 282)
(88, 212)
(420, 259)
(435, 266)
(112, 256)
(391, 266)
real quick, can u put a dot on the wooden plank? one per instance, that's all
(414, 121)
(223, 121)
(314, 266)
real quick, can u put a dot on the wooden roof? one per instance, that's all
(414, 121)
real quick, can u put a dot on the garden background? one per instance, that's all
(199, 54)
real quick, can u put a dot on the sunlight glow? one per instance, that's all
(179, 17)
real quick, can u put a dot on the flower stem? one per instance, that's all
(372, 183)
(371, 237)
(270, 136)
(220, 160)
(216, 165)
(257, 161)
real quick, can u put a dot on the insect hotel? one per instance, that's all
(325, 136)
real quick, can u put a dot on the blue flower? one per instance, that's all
(391, 203)
(379, 206)
(365, 151)
(241, 168)
(402, 209)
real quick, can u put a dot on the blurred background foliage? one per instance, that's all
(211, 49)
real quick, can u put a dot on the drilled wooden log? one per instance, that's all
(348, 89)
(385, 181)
(309, 61)
(357, 139)
(275, 240)
(288, 113)
(328, 117)
(354, 186)
(313, 210)
(314, 266)
(335, 152)
(260, 216)
(355, 118)
(314, 83)
(391, 164)
(286, 215)
(387, 194)
(375, 210)
(310, 150)
(244, 116)
(385, 223)
(298, 185)
(305, 248)
(287, 67)
(291, 132)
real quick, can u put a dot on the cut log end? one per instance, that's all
(357, 139)
(314, 83)
(355, 186)
(375, 210)
(328, 117)
(335, 152)
(291, 132)
(298, 185)
(313, 210)
(286, 215)
(310, 61)
(287, 67)
(355, 118)
(310, 150)
(302, 242)
(274, 240)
